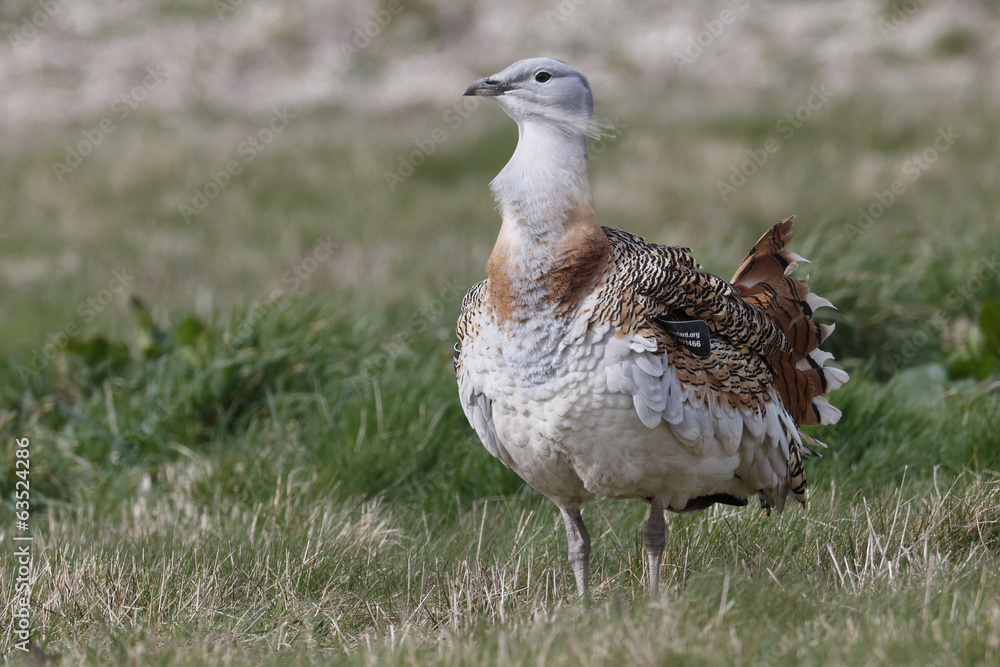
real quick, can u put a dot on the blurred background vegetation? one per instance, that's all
(239, 232)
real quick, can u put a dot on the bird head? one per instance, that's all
(542, 90)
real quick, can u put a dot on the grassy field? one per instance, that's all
(246, 445)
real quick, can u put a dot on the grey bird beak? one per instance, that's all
(487, 88)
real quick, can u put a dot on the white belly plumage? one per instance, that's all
(575, 432)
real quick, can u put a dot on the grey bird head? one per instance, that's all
(541, 89)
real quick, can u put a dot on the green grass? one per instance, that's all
(239, 467)
(298, 578)
(293, 499)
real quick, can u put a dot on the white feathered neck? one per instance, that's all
(550, 244)
(545, 178)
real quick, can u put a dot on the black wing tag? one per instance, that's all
(693, 334)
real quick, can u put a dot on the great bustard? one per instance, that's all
(597, 365)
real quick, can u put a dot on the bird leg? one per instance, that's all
(654, 539)
(579, 547)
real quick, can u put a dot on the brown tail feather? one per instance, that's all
(801, 379)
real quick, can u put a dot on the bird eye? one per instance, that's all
(542, 76)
